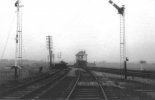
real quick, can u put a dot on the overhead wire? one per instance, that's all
(8, 36)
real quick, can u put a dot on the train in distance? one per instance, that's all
(81, 61)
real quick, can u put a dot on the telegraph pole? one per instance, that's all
(123, 58)
(50, 49)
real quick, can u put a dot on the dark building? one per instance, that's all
(81, 59)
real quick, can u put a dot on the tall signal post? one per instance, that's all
(123, 58)
(50, 49)
(18, 52)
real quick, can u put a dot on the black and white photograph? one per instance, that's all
(77, 50)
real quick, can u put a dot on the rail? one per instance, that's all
(73, 86)
(45, 86)
(17, 89)
(103, 92)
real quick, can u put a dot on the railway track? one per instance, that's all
(86, 87)
(132, 73)
(118, 89)
(60, 89)
(89, 87)
(32, 89)
(13, 86)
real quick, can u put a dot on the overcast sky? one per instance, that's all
(91, 25)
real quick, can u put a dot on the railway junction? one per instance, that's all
(79, 81)
(78, 84)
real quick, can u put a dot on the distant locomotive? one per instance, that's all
(81, 59)
(61, 65)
